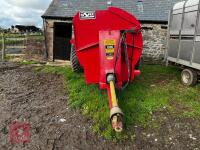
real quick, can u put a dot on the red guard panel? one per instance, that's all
(89, 34)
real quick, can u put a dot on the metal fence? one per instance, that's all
(12, 41)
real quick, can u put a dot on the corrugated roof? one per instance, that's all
(144, 10)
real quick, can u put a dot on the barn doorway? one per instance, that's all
(62, 45)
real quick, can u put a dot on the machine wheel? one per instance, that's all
(189, 77)
(139, 63)
(76, 67)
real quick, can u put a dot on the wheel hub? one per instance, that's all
(186, 77)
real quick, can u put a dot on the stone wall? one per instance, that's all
(155, 42)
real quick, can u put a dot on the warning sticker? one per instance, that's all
(109, 48)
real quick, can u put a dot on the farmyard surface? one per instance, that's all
(41, 100)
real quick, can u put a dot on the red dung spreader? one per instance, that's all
(107, 45)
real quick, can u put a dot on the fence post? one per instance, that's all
(3, 47)
(26, 38)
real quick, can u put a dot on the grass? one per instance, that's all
(157, 87)
(36, 37)
(9, 57)
(30, 62)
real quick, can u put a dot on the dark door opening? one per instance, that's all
(62, 45)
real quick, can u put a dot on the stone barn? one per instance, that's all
(153, 14)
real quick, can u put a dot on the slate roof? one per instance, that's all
(153, 10)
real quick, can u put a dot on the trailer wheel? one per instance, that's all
(189, 77)
(76, 67)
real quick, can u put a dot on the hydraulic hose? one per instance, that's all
(123, 42)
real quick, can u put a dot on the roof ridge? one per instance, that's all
(146, 10)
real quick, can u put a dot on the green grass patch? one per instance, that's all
(36, 37)
(9, 57)
(157, 87)
(28, 62)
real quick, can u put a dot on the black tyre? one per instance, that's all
(139, 63)
(74, 61)
(189, 77)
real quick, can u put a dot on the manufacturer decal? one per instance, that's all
(87, 15)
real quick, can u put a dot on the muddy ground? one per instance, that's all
(41, 100)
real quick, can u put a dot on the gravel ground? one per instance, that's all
(41, 100)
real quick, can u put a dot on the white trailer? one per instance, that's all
(184, 39)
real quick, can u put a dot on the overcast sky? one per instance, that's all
(26, 12)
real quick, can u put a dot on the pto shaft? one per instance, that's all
(116, 114)
(113, 94)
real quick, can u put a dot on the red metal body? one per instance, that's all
(89, 36)
(108, 45)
